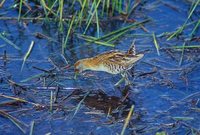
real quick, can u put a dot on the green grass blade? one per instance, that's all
(128, 8)
(19, 99)
(80, 16)
(127, 120)
(90, 12)
(195, 28)
(1, 3)
(188, 47)
(50, 3)
(14, 98)
(161, 133)
(51, 102)
(86, 36)
(114, 6)
(120, 6)
(32, 128)
(22, 126)
(94, 40)
(42, 2)
(180, 30)
(183, 118)
(156, 44)
(72, 5)
(33, 77)
(9, 42)
(117, 36)
(108, 6)
(50, 10)
(79, 104)
(81, 3)
(2, 45)
(136, 3)
(177, 32)
(112, 35)
(182, 54)
(193, 8)
(20, 9)
(68, 33)
(123, 29)
(97, 22)
(27, 54)
(90, 19)
(60, 10)
(103, 7)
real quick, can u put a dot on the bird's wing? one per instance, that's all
(106, 56)
(115, 56)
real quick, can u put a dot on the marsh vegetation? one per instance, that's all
(40, 40)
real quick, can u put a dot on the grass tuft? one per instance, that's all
(180, 30)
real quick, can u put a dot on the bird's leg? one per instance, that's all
(124, 78)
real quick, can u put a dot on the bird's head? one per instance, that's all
(79, 66)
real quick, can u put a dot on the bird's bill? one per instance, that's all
(140, 56)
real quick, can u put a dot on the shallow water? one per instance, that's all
(162, 89)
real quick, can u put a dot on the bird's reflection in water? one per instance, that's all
(98, 100)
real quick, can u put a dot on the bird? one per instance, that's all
(113, 62)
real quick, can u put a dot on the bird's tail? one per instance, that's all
(132, 50)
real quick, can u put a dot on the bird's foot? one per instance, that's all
(127, 82)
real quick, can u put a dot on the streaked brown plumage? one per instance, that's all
(113, 62)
